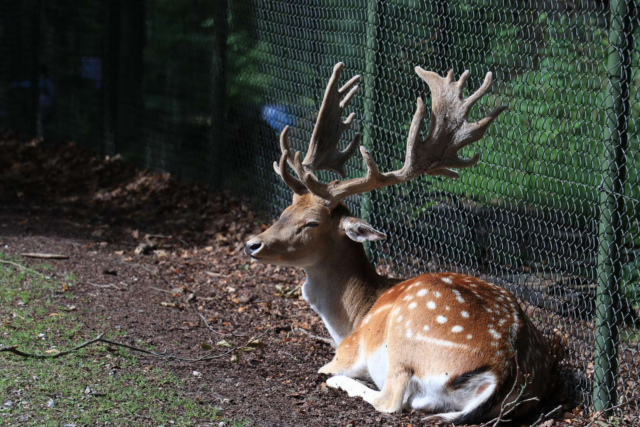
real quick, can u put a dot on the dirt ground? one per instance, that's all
(161, 261)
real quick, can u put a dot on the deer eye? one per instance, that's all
(310, 224)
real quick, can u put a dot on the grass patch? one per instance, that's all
(94, 386)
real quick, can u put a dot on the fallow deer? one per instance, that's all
(444, 343)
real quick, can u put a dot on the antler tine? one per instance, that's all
(449, 131)
(323, 153)
(281, 167)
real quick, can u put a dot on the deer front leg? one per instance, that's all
(354, 388)
(348, 361)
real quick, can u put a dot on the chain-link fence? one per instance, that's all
(203, 88)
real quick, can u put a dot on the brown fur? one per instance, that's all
(367, 311)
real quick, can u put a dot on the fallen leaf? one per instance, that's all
(52, 351)
(224, 343)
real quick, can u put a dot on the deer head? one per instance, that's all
(317, 221)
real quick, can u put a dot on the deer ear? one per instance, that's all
(359, 230)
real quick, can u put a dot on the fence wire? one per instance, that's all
(202, 89)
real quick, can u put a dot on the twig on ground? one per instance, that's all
(21, 267)
(44, 256)
(316, 337)
(231, 333)
(209, 326)
(161, 290)
(602, 411)
(14, 350)
(507, 407)
(544, 416)
(212, 274)
(109, 285)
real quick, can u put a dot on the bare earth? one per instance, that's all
(57, 198)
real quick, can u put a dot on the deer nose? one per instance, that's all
(252, 248)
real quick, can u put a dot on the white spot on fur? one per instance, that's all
(425, 328)
(458, 296)
(436, 294)
(441, 319)
(489, 310)
(407, 323)
(407, 298)
(431, 305)
(399, 319)
(412, 305)
(447, 280)
(409, 333)
(469, 336)
(446, 307)
(457, 329)
(422, 292)
(494, 334)
(464, 314)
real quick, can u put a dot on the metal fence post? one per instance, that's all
(34, 77)
(111, 69)
(130, 74)
(218, 100)
(369, 101)
(611, 207)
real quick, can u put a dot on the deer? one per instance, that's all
(448, 344)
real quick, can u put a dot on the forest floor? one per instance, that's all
(157, 264)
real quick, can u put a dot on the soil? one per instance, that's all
(155, 257)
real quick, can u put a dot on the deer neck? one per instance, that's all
(342, 287)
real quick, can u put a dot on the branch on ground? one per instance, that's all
(21, 267)
(316, 337)
(507, 408)
(99, 338)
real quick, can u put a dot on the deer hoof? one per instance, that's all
(327, 369)
(336, 382)
(381, 405)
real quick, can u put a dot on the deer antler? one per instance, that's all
(449, 132)
(323, 153)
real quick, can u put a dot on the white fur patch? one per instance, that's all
(431, 305)
(441, 343)
(457, 329)
(441, 319)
